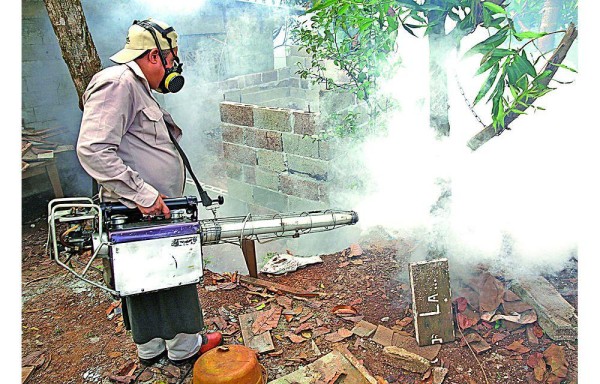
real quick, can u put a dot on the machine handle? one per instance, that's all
(172, 203)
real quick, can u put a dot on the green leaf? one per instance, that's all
(494, 7)
(524, 65)
(407, 29)
(565, 67)
(488, 44)
(502, 52)
(487, 65)
(529, 35)
(487, 84)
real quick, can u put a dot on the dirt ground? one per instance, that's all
(72, 333)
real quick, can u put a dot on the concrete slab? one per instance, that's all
(555, 315)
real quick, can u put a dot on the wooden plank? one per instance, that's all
(278, 288)
(261, 343)
(432, 302)
(26, 373)
(555, 315)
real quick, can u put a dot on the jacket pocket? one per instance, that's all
(156, 125)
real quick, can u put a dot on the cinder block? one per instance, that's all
(260, 210)
(269, 76)
(335, 101)
(249, 174)
(239, 153)
(28, 114)
(298, 204)
(317, 169)
(300, 145)
(267, 179)
(236, 113)
(270, 199)
(233, 96)
(232, 83)
(270, 160)
(252, 79)
(556, 316)
(275, 119)
(305, 123)
(233, 170)
(232, 133)
(283, 73)
(240, 191)
(299, 186)
(274, 141)
(325, 150)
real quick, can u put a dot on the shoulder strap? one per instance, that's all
(206, 200)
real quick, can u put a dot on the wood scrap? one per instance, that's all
(276, 287)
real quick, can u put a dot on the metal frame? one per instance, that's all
(57, 205)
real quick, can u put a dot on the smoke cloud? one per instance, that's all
(516, 202)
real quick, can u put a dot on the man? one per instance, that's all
(125, 146)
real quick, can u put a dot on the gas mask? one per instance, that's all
(172, 80)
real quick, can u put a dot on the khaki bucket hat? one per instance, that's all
(139, 40)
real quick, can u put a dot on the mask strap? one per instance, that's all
(150, 25)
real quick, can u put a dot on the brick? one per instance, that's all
(270, 199)
(232, 133)
(274, 119)
(236, 113)
(239, 153)
(314, 168)
(267, 179)
(240, 191)
(270, 160)
(269, 76)
(299, 186)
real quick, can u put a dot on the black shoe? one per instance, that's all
(192, 359)
(152, 360)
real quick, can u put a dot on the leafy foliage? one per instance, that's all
(359, 35)
(512, 77)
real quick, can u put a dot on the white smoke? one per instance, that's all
(516, 202)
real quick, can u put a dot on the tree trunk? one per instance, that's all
(439, 47)
(549, 23)
(75, 41)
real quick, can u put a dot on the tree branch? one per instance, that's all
(552, 65)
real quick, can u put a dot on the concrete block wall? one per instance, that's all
(272, 163)
(274, 88)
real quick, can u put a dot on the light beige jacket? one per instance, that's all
(123, 140)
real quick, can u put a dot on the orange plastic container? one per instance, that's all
(228, 364)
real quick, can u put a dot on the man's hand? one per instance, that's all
(158, 208)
